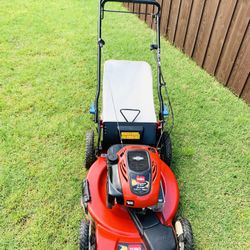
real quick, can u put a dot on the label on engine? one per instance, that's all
(130, 246)
(140, 179)
(140, 184)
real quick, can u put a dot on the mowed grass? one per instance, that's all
(47, 82)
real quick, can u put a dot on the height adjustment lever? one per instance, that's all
(101, 42)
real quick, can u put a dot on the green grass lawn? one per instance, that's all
(47, 82)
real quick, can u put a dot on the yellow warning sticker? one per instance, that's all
(130, 135)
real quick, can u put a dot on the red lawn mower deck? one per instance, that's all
(114, 227)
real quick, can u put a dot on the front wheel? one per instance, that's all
(84, 235)
(184, 234)
(87, 240)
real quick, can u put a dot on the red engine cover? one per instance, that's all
(140, 188)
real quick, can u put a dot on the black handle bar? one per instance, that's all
(152, 2)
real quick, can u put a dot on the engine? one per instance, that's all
(134, 177)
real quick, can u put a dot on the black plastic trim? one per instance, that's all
(86, 197)
(111, 135)
(155, 235)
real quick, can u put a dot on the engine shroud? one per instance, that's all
(134, 172)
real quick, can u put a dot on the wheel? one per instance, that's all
(89, 149)
(184, 234)
(166, 148)
(87, 239)
(84, 235)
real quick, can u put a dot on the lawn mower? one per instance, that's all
(130, 195)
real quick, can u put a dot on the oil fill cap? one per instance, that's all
(112, 158)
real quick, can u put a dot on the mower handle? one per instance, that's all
(152, 2)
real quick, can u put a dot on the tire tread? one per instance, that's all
(188, 233)
(89, 149)
(84, 235)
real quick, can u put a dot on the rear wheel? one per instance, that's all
(89, 149)
(166, 148)
(184, 234)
